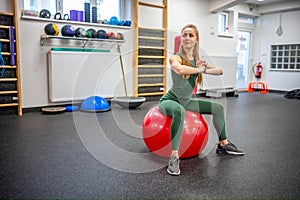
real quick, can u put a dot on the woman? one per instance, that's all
(186, 67)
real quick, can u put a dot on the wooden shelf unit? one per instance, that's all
(150, 56)
(10, 83)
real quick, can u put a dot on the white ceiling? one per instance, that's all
(265, 2)
(263, 7)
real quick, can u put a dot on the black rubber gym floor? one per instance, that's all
(102, 155)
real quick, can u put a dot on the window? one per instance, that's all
(105, 8)
(223, 22)
(246, 19)
(40, 4)
(285, 57)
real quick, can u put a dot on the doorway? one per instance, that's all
(243, 49)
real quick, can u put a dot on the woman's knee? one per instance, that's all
(171, 108)
(179, 111)
(176, 111)
(218, 108)
(178, 114)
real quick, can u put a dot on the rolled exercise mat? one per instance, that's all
(6, 99)
(87, 12)
(8, 86)
(12, 45)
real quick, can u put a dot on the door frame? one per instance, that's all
(248, 78)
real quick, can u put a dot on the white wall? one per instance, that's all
(264, 36)
(267, 26)
(196, 12)
(212, 47)
(34, 63)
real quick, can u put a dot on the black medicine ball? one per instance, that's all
(80, 32)
(67, 30)
(91, 33)
(51, 29)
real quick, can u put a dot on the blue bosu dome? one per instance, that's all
(95, 104)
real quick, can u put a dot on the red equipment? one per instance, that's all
(258, 70)
(177, 43)
(252, 86)
(157, 137)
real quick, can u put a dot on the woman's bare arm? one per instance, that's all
(210, 69)
(179, 68)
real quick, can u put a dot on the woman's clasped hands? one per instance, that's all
(202, 66)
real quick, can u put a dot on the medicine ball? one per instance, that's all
(101, 34)
(121, 23)
(119, 36)
(44, 13)
(105, 21)
(110, 35)
(114, 20)
(51, 29)
(127, 23)
(68, 30)
(91, 33)
(80, 32)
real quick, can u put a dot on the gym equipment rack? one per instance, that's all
(10, 81)
(150, 55)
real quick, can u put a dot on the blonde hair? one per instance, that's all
(196, 54)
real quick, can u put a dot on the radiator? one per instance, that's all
(228, 79)
(75, 75)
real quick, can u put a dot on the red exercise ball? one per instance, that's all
(156, 133)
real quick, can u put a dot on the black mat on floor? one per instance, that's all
(102, 155)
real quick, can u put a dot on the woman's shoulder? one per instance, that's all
(176, 56)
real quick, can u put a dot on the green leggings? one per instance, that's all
(177, 112)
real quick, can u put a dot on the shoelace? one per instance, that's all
(232, 145)
(174, 160)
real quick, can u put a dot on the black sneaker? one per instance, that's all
(173, 168)
(229, 148)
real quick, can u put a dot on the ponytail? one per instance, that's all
(195, 51)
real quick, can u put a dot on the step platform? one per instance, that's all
(219, 93)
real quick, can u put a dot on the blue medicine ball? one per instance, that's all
(105, 21)
(121, 23)
(68, 30)
(101, 34)
(114, 20)
(127, 23)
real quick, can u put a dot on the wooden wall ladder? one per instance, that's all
(10, 79)
(150, 55)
